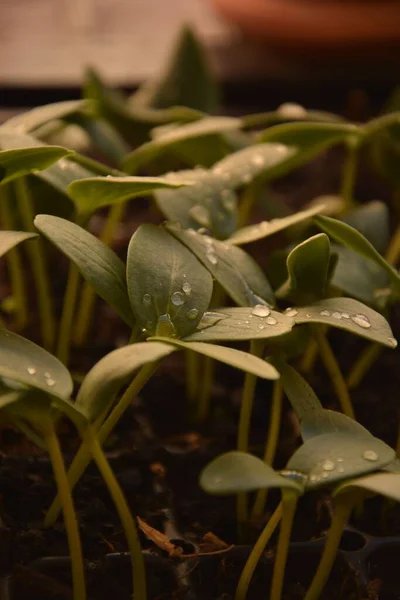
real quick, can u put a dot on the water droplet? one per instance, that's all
(146, 299)
(345, 315)
(271, 321)
(261, 327)
(47, 375)
(50, 382)
(339, 459)
(295, 475)
(325, 313)
(292, 110)
(370, 455)
(258, 160)
(392, 341)
(177, 299)
(31, 370)
(361, 321)
(314, 477)
(212, 258)
(260, 310)
(291, 312)
(247, 322)
(328, 465)
(165, 326)
(192, 313)
(336, 315)
(186, 288)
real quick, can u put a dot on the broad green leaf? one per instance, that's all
(235, 472)
(323, 421)
(18, 162)
(24, 362)
(332, 457)
(207, 127)
(168, 287)
(384, 484)
(240, 324)
(240, 168)
(350, 315)
(96, 192)
(98, 264)
(208, 202)
(372, 221)
(9, 239)
(108, 375)
(300, 394)
(28, 121)
(308, 270)
(310, 139)
(186, 79)
(230, 356)
(289, 111)
(252, 233)
(236, 271)
(351, 238)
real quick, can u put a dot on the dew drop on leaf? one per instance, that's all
(177, 299)
(328, 465)
(186, 288)
(260, 310)
(325, 313)
(50, 382)
(291, 312)
(47, 375)
(345, 315)
(146, 299)
(292, 110)
(370, 455)
(361, 321)
(337, 315)
(271, 321)
(31, 370)
(192, 313)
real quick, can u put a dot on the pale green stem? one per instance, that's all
(333, 369)
(363, 364)
(393, 251)
(307, 362)
(88, 296)
(339, 521)
(349, 175)
(38, 261)
(68, 313)
(271, 444)
(14, 263)
(82, 457)
(256, 554)
(128, 523)
(193, 365)
(206, 389)
(70, 520)
(289, 502)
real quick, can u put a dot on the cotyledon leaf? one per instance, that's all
(230, 356)
(300, 394)
(350, 237)
(169, 289)
(9, 239)
(333, 457)
(252, 233)
(350, 315)
(372, 221)
(289, 111)
(96, 192)
(24, 362)
(323, 421)
(105, 379)
(239, 324)
(385, 484)
(98, 264)
(235, 270)
(21, 161)
(28, 121)
(203, 127)
(235, 472)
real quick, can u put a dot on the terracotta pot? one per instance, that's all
(319, 27)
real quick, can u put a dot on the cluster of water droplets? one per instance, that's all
(210, 250)
(263, 311)
(47, 376)
(358, 318)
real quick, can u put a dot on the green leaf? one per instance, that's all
(385, 484)
(9, 239)
(208, 202)
(235, 472)
(332, 457)
(372, 221)
(177, 137)
(321, 421)
(308, 270)
(98, 264)
(351, 238)
(350, 315)
(108, 375)
(96, 192)
(230, 356)
(18, 162)
(236, 271)
(28, 121)
(289, 111)
(264, 229)
(168, 287)
(300, 394)
(186, 79)
(239, 324)
(24, 362)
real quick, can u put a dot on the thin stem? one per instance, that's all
(70, 520)
(333, 369)
(289, 502)
(37, 257)
(88, 296)
(82, 457)
(14, 263)
(246, 409)
(349, 175)
(68, 313)
(203, 408)
(256, 554)
(137, 562)
(363, 364)
(393, 251)
(271, 443)
(339, 521)
(193, 364)
(309, 357)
